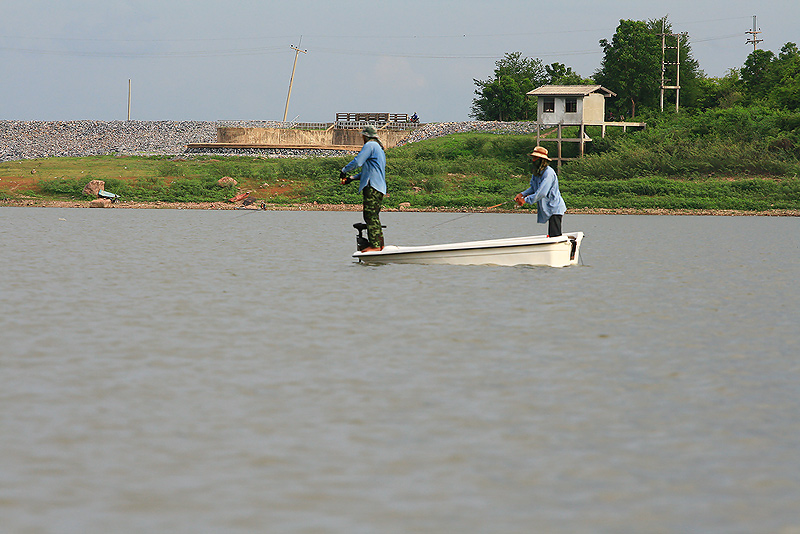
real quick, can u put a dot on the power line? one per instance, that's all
(271, 50)
(718, 38)
(445, 56)
(114, 40)
(685, 23)
(461, 35)
(135, 55)
(405, 55)
(359, 52)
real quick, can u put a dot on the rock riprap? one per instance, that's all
(42, 139)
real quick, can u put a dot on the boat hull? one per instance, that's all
(530, 250)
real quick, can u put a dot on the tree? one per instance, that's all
(722, 92)
(631, 66)
(560, 74)
(786, 91)
(502, 97)
(773, 79)
(757, 75)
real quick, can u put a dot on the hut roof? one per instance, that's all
(570, 90)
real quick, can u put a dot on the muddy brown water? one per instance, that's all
(220, 371)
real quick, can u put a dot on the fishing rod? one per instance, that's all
(471, 213)
(262, 207)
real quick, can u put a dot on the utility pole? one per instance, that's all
(129, 99)
(296, 53)
(754, 32)
(677, 63)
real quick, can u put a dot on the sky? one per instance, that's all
(233, 60)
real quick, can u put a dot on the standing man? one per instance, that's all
(372, 184)
(544, 192)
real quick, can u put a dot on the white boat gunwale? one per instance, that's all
(506, 242)
(501, 247)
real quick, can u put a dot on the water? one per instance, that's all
(191, 371)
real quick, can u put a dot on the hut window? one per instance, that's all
(549, 105)
(571, 105)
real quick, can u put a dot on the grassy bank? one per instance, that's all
(669, 166)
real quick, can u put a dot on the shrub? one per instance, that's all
(170, 169)
(72, 187)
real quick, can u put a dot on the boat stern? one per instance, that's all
(575, 239)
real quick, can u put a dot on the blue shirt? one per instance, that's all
(544, 191)
(372, 160)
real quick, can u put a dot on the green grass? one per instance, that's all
(747, 194)
(715, 161)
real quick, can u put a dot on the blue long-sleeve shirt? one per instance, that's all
(372, 160)
(544, 191)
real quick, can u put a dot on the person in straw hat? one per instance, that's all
(544, 192)
(371, 183)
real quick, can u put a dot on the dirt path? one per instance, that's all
(357, 207)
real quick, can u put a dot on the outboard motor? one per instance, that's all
(361, 241)
(574, 242)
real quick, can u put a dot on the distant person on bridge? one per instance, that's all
(544, 192)
(372, 184)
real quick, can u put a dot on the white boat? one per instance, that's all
(558, 251)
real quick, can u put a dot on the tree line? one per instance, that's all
(631, 68)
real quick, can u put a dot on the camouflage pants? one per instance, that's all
(373, 199)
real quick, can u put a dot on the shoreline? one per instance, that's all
(306, 206)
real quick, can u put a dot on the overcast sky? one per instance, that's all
(232, 60)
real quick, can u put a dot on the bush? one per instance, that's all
(72, 187)
(730, 141)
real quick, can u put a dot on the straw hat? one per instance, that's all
(370, 132)
(540, 152)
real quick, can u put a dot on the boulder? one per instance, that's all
(94, 187)
(100, 203)
(226, 181)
